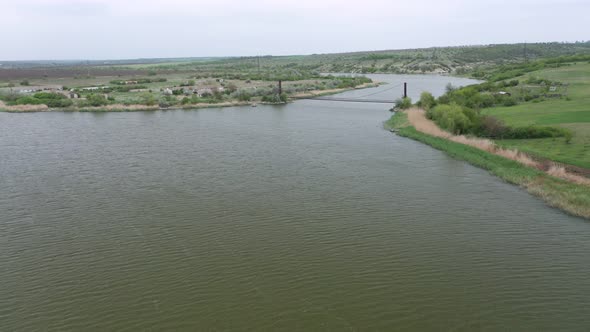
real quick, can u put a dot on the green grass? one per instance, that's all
(573, 114)
(397, 121)
(569, 197)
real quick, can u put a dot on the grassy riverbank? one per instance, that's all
(170, 92)
(569, 197)
(140, 107)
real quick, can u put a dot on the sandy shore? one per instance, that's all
(23, 108)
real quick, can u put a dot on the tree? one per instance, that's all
(148, 99)
(403, 103)
(427, 100)
(96, 100)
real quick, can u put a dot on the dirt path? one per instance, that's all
(417, 118)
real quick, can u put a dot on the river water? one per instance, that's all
(307, 216)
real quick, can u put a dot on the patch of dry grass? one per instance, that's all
(23, 108)
(518, 156)
(560, 172)
(417, 118)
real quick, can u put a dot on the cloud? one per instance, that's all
(59, 8)
(150, 28)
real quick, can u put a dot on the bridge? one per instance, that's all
(352, 100)
(363, 98)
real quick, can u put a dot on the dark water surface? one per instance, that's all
(307, 216)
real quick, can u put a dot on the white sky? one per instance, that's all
(119, 29)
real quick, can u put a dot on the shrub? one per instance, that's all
(58, 102)
(217, 95)
(427, 100)
(568, 136)
(491, 127)
(24, 83)
(48, 95)
(403, 103)
(95, 100)
(231, 88)
(508, 101)
(451, 118)
(28, 100)
(244, 96)
(275, 98)
(529, 132)
(147, 99)
(283, 97)
(46, 98)
(167, 101)
(484, 100)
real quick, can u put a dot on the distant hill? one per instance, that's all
(440, 60)
(456, 60)
(27, 64)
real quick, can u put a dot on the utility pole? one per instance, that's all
(280, 87)
(258, 58)
(525, 55)
(405, 90)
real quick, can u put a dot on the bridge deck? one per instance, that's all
(351, 100)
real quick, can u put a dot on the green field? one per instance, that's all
(572, 112)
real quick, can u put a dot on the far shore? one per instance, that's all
(140, 107)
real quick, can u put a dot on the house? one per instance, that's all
(168, 92)
(130, 82)
(73, 95)
(27, 90)
(504, 93)
(94, 88)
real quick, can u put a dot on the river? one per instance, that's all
(307, 216)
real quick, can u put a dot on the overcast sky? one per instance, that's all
(119, 29)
